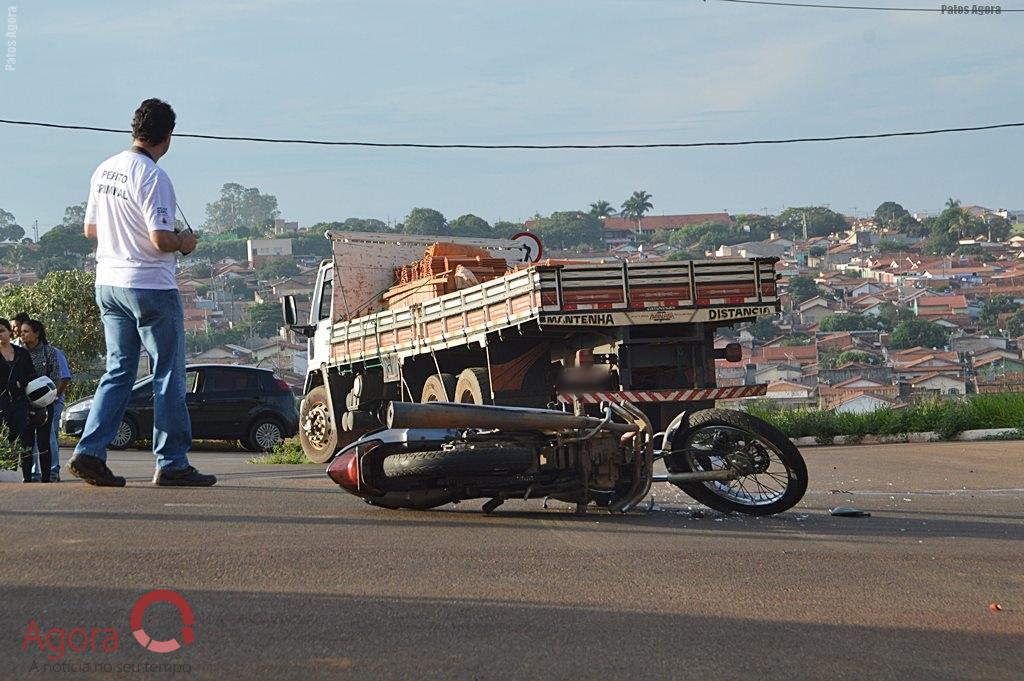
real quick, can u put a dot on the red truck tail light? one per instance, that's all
(280, 382)
(344, 470)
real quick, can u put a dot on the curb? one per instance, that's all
(964, 436)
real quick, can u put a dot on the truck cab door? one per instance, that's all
(321, 316)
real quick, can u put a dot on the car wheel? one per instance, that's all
(263, 434)
(126, 434)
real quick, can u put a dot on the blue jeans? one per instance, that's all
(133, 318)
(58, 408)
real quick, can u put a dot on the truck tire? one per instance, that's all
(713, 432)
(438, 388)
(459, 462)
(473, 386)
(318, 432)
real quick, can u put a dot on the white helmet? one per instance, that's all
(41, 392)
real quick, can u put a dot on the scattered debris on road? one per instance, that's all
(849, 512)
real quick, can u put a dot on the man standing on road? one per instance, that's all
(130, 213)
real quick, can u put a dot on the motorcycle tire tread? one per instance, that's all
(460, 461)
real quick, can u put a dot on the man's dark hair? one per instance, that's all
(21, 318)
(153, 122)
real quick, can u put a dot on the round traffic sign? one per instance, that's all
(530, 244)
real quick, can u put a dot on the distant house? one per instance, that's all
(995, 366)
(860, 403)
(778, 372)
(836, 342)
(977, 344)
(262, 250)
(791, 395)
(879, 374)
(800, 355)
(814, 310)
(939, 384)
(224, 354)
(939, 306)
(927, 366)
(789, 390)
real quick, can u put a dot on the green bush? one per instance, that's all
(284, 452)
(9, 454)
(947, 418)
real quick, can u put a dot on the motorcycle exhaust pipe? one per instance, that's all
(456, 415)
(699, 476)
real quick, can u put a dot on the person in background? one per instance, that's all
(16, 322)
(45, 363)
(16, 371)
(54, 365)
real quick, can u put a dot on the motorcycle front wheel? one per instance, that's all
(773, 475)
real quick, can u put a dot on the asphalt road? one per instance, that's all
(289, 578)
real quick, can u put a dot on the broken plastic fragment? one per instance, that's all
(849, 512)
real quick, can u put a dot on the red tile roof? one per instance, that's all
(950, 302)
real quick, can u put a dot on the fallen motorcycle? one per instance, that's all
(437, 453)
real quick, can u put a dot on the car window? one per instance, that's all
(191, 381)
(228, 380)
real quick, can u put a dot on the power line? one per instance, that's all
(418, 145)
(869, 8)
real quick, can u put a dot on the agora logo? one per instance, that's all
(57, 641)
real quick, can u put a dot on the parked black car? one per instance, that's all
(224, 403)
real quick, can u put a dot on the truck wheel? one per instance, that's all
(473, 386)
(438, 388)
(464, 461)
(318, 432)
(774, 476)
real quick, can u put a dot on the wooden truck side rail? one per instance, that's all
(616, 294)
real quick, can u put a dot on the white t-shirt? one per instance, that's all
(129, 196)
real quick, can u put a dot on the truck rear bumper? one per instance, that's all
(676, 395)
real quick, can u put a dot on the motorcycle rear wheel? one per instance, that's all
(779, 482)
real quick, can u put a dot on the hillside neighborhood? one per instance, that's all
(875, 314)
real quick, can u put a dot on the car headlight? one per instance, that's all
(77, 407)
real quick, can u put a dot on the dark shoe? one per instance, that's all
(54, 477)
(186, 477)
(94, 471)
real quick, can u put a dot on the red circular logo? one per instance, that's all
(184, 609)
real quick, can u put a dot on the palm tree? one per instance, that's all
(601, 209)
(636, 206)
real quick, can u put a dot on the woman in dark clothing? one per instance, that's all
(16, 371)
(44, 360)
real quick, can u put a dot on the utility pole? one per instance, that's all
(35, 232)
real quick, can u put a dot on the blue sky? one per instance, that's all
(500, 71)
